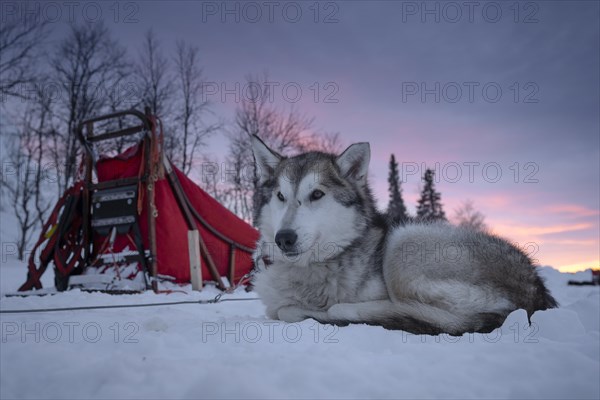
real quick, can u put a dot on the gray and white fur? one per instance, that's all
(325, 252)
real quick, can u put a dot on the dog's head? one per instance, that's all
(314, 205)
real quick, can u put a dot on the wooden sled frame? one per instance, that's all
(87, 137)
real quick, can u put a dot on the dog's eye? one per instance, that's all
(280, 196)
(316, 195)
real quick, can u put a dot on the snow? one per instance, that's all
(230, 350)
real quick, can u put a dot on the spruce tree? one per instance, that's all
(429, 207)
(396, 209)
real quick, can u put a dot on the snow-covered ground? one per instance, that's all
(230, 350)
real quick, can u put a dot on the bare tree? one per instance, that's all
(285, 131)
(234, 175)
(125, 94)
(26, 176)
(190, 130)
(20, 193)
(210, 175)
(326, 142)
(20, 39)
(466, 215)
(43, 121)
(88, 62)
(156, 83)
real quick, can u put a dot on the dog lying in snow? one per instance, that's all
(333, 257)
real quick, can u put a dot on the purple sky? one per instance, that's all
(542, 130)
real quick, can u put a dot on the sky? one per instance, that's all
(502, 99)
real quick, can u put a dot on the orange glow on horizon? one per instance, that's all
(581, 266)
(565, 255)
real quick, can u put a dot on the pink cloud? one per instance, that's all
(536, 231)
(572, 209)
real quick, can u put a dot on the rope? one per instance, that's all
(205, 223)
(216, 299)
(38, 310)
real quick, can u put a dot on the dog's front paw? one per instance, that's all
(271, 313)
(297, 314)
(343, 311)
(291, 314)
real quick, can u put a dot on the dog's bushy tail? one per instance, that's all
(546, 299)
(542, 299)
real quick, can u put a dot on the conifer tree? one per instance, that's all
(396, 209)
(429, 207)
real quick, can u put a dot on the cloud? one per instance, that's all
(574, 210)
(536, 231)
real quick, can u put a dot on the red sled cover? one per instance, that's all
(171, 227)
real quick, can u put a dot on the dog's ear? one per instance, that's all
(266, 159)
(354, 161)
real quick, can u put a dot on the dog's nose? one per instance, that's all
(286, 239)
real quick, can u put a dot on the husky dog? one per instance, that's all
(326, 253)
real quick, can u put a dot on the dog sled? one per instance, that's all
(133, 221)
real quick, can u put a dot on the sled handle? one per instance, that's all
(90, 138)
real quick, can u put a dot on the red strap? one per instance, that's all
(47, 254)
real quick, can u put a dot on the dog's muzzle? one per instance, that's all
(286, 240)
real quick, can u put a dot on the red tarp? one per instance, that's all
(171, 228)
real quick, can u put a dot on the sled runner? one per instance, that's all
(133, 219)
